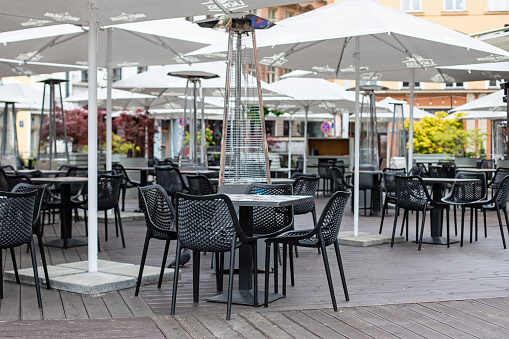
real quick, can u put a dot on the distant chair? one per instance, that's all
(339, 182)
(488, 164)
(200, 185)
(389, 188)
(324, 166)
(160, 221)
(499, 175)
(16, 229)
(170, 178)
(126, 181)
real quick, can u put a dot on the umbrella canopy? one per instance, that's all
(97, 13)
(157, 82)
(354, 36)
(491, 102)
(24, 96)
(136, 44)
(388, 103)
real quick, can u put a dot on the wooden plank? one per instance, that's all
(96, 328)
(10, 305)
(218, 326)
(170, 327)
(52, 307)
(359, 324)
(192, 326)
(95, 307)
(264, 325)
(313, 325)
(388, 326)
(477, 310)
(116, 305)
(291, 327)
(73, 306)
(335, 324)
(29, 307)
(137, 305)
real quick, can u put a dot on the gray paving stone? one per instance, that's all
(92, 283)
(150, 273)
(101, 265)
(26, 275)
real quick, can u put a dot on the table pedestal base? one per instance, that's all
(438, 241)
(69, 243)
(244, 298)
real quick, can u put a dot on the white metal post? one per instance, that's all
(356, 141)
(109, 103)
(411, 121)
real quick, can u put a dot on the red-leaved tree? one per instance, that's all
(135, 128)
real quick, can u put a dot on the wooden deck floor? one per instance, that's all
(398, 292)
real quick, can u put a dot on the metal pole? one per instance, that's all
(305, 139)
(63, 122)
(92, 142)
(356, 141)
(109, 102)
(203, 129)
(290, 147)
(194, 127)
(40, 124)
(4, 130)
(51, 120)
(411, 120)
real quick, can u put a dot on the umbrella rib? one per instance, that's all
(51, 43)
(292, 50)
(404, 51)
(345, 42)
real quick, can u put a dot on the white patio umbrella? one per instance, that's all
(120, 99)
(388, 103)
(353, 36)
(95, 14)
(492, 102)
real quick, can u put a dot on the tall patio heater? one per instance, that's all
(397, 135)
(9, 151)
(244, 157)
(190, 145)
(52, 154)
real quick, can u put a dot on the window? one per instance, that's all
(272, 15)
(286, 128)
(141, 69)
(498, 5)
(117, 74)
(455, 85)
(270, 127)
(454, 5)
(495, 83)
(271, 74)
(84, 76)
(368, 83)
(406, 84)
(411, 5)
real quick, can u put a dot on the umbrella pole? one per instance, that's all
(290, 147)
(356, 142)
(305, 140)
(411, 121)
(92, 142)
(203, 140)
(109, 104)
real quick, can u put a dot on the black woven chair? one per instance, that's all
(4, 184)
(200, 185)
(389, 188)
(295, 175)
(324, 234)
(498, 203)
(209, 224)
(324, 166)
(16, 227)
(499, 175)
(36, 227)
(305, 186)
(126, 182)
(412, 195)
(170, 178)
(466, 195)
(160, 219)
(339, 183)
(368, 182)
(13, 180)
(108, 196)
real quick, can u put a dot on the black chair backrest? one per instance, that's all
(81, 172)
(170, 179)
(388, 175)
(39, 197)
(324, 169)
(295, 175)
(450, 169)
(199, 185)
(206, 223)
(300, 164)
(415, 171)
(469, 191)
(4, 183)
(437, 172)
(34, 174)
(367, 180)
(17, 211)
(499, 175)
(488, 163)
(158, 210)
(338, 180)
(108, 191)
(502, 193)
(13, 180)
(305, 186)
(330, 219)
(411, 193)
(8, 168)
(268, 220)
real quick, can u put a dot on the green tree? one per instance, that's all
(443, 134)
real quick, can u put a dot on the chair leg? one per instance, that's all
(230, 280)
(117, 210)
(448, 230)
(255, 273)
(506, 219)
(14, 265)
(218, 285)
(142, 264)
(276, 269)
(485, 228)
(405, 216)
(395, 225)
(471, 223)
(285, 251)
(422, 227)
(462, 225)
(327, 271)
(123, 198)
(163, 265)
(221, 270)
(196, 274)
(292, 271)
(43, 258)
(175, 280)
(36, 275)
(385, 206)
(2, 277)
(105, 225)
(341, 270)
(455, 221)
(501, 227)
(267, 264)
